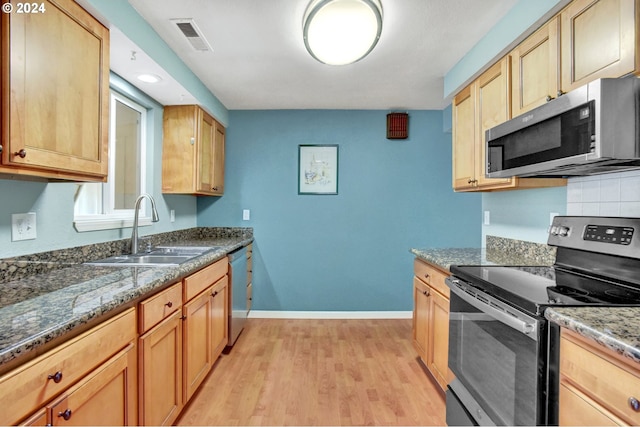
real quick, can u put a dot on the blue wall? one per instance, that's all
(350, 251)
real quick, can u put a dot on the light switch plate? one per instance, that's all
(23, 226)
(246, 214)
(487, 217)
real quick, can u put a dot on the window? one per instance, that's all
(100, 206)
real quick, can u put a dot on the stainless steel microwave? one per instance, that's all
(590, 130)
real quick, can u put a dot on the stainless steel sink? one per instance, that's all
(165, 256)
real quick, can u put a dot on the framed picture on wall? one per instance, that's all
(318, 169)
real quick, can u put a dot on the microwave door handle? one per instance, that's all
(517, 324)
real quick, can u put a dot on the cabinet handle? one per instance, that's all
(214, 188)
(66, 414)
(183, 317)
(560, 93)
(549, 98)
(22, 153)
(634, 403)
(57, 377)
(169, 304)
(0, 149)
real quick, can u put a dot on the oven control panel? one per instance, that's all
(608, 234)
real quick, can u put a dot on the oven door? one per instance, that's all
(496, 353)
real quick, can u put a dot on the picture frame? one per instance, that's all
(318, 169)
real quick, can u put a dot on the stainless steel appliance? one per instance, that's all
(592, 129)
(502, 350)
(238, 293)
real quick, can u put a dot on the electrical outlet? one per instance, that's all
(246, 214)
(23, 226)
(172, 215)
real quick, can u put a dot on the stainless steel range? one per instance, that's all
(502, 350)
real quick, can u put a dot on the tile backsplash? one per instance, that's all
(616, 194)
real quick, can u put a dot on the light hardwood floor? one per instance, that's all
(319, 372)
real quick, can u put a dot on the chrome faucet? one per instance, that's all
(154, 218)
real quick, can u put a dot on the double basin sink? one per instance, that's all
(162, 256)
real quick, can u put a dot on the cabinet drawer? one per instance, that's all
(204, 278)
(160, 306)
(31, 385)
(431, 276)
(600, 375)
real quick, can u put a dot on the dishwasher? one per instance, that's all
(238, 293)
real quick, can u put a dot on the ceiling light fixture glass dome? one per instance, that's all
(340, 32)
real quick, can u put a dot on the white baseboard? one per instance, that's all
(274, 314)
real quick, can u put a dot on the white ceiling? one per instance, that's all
(259, 60)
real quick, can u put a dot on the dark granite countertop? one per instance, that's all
(616, 328)
(499, 251)
(45, 296)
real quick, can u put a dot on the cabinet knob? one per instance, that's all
(22, 153)
(0, 149)
(214, 188)
(426, 292)
(634, 403)
(214, 294)
(66, 414)
(169, 304)
(426, 275)
(57, 377)
(560, 93)
(549, 98)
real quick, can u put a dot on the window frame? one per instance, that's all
(120, 218)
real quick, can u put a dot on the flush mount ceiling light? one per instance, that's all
(149, 78)
(340, 32)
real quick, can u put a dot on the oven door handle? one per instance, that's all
(519, 325)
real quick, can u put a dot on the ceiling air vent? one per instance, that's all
(193, 34)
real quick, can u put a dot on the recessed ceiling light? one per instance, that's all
(340, 32)
(149, 78)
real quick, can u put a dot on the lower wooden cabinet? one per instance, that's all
(160, 381)
(90, 379)
(431, 320)
(597, 385)
(106, 397)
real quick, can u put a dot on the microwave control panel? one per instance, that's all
(609, 234)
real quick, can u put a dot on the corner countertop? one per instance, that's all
(617, 328)
(51, 301)
(499, 251)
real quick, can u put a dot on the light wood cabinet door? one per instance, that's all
(219, 317)
(492, 89)
(420, 317)
(197, 354)
(535, 69)
(464, 138)
(438, 346)
(160, 379)
(217, 185)
(192, 152)
(55, 73)
(206, 149)
(105, 397)
(579, 410)
(598, 39)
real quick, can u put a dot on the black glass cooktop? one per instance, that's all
(534, 288)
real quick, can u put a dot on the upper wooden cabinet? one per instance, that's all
(475, 109)
(192, 152)
(478, 107)
(535, 74)
(55, 93)
(598, 39)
